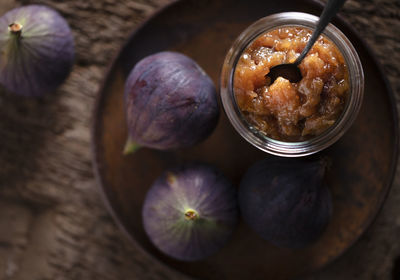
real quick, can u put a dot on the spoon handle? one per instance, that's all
(330, 9)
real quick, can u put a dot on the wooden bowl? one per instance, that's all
(363, 161)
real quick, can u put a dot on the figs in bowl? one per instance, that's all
(170, 103)
(286, 201)
(36, 50)
(190, 212)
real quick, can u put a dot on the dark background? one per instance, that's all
(53, 223)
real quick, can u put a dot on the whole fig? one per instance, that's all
(286, 201)
(36, 50)
(170, 102)
(190, 212)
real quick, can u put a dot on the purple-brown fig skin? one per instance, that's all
(42, 57)
(286, 201)
(196, 186)
(170, 102)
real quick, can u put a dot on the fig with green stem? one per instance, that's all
(170, 103)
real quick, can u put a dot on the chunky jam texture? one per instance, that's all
(291, 111)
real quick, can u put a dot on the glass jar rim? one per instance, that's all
(330, 135)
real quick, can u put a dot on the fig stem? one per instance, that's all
(191, 215)
(130, 147)
(15, 28)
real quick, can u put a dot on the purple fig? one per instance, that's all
(190, 212)
(170, 102)
(36, 50)
(286, 201)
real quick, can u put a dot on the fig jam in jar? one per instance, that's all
(282, 117)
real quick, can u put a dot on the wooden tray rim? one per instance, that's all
(96, 129)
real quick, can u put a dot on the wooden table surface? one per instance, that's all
(53, 223)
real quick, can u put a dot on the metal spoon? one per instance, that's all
(291, 71)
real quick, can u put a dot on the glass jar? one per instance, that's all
(331, 134)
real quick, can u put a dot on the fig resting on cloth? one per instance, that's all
(36, 50)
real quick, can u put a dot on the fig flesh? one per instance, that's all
(190, 212)
(36, 50)
(170, 102)
(286, 201)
